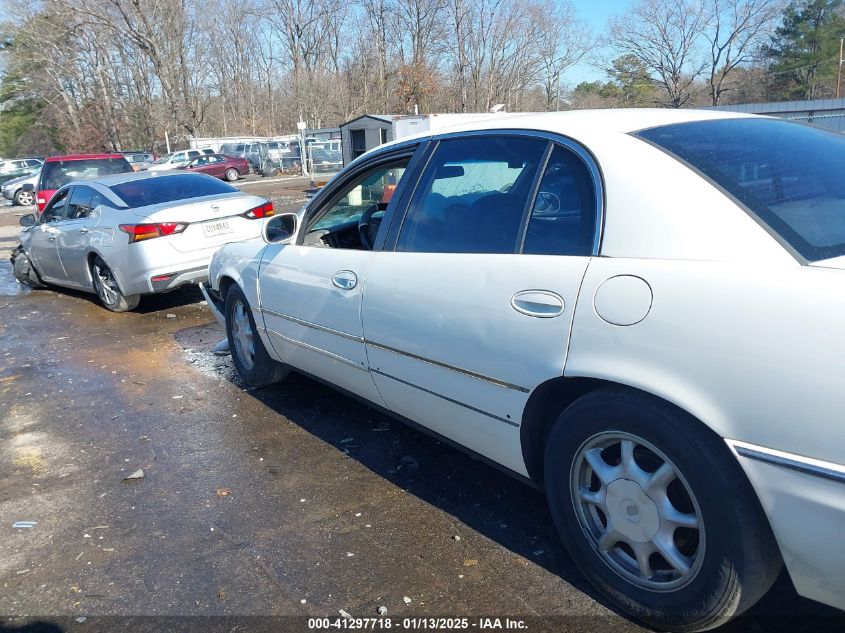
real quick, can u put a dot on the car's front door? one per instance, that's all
(472, 309)
(75, 232)
(43, 248)
(311, 291)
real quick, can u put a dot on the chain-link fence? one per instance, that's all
(324, 159)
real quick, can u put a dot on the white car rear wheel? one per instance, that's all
(656, 512)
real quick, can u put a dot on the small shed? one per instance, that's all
(364, 133)
(323, 133)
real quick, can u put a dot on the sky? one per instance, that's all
(595, 13)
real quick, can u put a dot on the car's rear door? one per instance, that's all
(216, 166)
(472, 309)
(311, 291)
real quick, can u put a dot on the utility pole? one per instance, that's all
(839, 72)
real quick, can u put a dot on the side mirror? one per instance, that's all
(280, 228)
(28, 220)
(28, 187)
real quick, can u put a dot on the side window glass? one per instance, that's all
(79, 205)
(358, 209)
(563, 218)
(55, 211)
(472, 196)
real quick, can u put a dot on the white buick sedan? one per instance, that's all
(640, 312)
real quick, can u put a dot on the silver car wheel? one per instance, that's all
(25, 198)
(106, 286)
(242, 335)
(637, 511)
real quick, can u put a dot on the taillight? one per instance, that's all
(263, 211)
(140, 232)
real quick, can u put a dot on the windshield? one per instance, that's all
(787, 175)
(162, 159)
(57, 174)
(158, 190)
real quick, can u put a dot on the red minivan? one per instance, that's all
(60, 170)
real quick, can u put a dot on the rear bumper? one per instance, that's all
(144, 262)
(804, 500)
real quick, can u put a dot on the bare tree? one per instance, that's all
(562, 41)
(736, 29)
(663, 35)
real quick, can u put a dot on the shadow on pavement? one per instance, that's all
(34, 626)
(488, 501)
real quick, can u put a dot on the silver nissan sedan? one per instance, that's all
(132, 234)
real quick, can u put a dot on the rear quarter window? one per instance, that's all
(158, 190)
(787, 175)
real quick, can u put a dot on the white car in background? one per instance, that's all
(174, 160)
(638, 311)
(133, 234)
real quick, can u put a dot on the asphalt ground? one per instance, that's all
(258, 509)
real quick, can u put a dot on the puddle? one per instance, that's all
(9, 286)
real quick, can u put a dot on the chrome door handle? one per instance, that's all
(345, 279)
(84, 230)
(52, 238)
(542, 304)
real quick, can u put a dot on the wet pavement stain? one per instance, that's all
(328, 502)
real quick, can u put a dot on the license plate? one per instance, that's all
(219, 227)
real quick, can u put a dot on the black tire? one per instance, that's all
(259, 369)
(733, 556)
(24, 269)
(232, 174)
(24, 198)
(109, 293)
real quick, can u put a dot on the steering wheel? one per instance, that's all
(366, 224)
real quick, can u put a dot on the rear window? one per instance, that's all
(55, 175)
(147, 191)
(788, 175)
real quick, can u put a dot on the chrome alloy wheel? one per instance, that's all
(25, 198)
(105, 285)
(637, 511)
(242, 335)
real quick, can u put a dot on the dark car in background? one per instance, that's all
(220, 166)
(60, 170)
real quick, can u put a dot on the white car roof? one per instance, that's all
(582, 124)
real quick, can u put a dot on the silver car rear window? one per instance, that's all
(162, 189)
